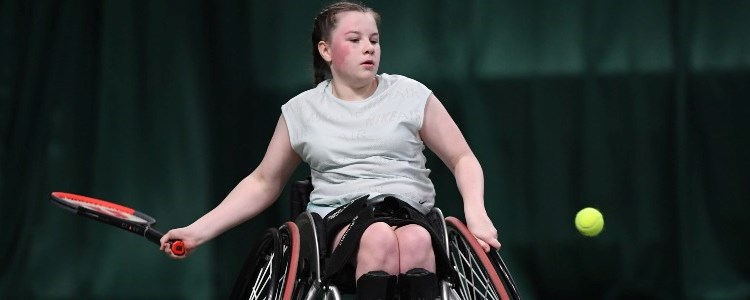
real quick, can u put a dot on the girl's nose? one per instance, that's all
(369, 48)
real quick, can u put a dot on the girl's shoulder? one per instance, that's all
(401, 82)
(397, 78)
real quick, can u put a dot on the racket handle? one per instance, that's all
(177, 247)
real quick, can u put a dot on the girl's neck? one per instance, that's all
(350, 92)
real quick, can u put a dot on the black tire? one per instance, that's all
(508, 281)
(261, 269)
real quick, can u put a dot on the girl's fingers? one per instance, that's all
(494, 243)
(483, 244)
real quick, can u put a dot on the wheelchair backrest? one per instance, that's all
(300, 196)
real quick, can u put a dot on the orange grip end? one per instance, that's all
(178, 248)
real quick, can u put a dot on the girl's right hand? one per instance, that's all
(186, 235)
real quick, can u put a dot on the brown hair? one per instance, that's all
(323, 25)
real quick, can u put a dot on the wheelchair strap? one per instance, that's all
(359, 215)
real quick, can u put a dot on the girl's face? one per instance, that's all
(354, 48)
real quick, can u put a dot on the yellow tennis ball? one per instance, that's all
(589, 221)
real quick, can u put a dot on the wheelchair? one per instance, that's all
(287, 262)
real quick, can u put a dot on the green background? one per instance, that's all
(639, 108)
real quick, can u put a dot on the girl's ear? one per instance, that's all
(325, 51)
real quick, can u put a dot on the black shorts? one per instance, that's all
(340, 265)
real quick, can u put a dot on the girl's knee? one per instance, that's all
(378, 250)
(415, 239)
(379, 237)
(415, 249)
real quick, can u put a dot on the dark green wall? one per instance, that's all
(639, 108)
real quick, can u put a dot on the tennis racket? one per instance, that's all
(116, 215)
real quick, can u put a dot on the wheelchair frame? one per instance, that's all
(286, 262)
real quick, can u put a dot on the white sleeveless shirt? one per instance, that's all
(365, 147)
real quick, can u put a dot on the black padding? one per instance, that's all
(418, 284)
(376, 285)
(300, 196)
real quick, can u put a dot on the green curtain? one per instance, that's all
(639, 108)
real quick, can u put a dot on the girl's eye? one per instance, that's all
(354, 40)
(374, 41)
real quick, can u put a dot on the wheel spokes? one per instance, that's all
(264, 276)
(473, 281)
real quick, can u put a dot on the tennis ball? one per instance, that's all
(589, 221)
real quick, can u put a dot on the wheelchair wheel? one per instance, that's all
(270, 269)
(474, 275)
(307, 283)
(291, 245)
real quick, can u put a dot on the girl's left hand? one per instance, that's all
(481, 226)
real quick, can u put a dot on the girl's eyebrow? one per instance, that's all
(359, 33)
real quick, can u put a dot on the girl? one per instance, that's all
(362, 135)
